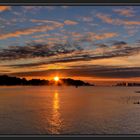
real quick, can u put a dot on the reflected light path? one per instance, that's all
(55, 121)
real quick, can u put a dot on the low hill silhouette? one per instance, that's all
(9, 81)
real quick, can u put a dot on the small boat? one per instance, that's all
(137, 102)
(76, 86)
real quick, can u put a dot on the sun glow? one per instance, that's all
(56, 78)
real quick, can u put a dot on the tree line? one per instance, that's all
(9, 80)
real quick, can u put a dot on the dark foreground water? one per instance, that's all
(69, 110)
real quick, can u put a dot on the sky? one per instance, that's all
(93, 43)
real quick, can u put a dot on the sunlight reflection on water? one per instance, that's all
(55, 121)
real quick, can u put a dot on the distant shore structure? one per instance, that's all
(127, 84)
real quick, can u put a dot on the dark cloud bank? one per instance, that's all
(91, 71)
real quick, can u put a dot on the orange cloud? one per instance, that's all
(28, 31)
(66, 22)
(90, 36)
(131, 22)
(75, 34)
(4, 8)
(105, 36)
(40, 36)
(107, 19)
(125, 12)
(70, 22)
(47, 21)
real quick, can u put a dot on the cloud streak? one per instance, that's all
(70, 22)
(90, 71)
(116, 21)
(4, 8)
(91, 36)
(32, 30)
(128, 12)
(36, 50)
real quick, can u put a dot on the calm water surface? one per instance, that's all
(69, 110)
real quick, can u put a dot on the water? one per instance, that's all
(69, 110)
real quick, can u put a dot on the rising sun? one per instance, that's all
(56, 78)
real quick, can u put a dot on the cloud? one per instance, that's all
(128, 12)
(105, 36)
(66, 53)
(50, 7)
(32, 9)
(118, 43)
(72, 33)
(85, 18)
(66, 22)
(131, 22)
(39, 50)
(26, 65)
(107, 19)
(4, 71)
(31, 30)
(89, 71)
(70, 22)
(53, 39)
(40, 36)
(46, 21)
(36, 50)
(37, 8)
(91, 36)
(107, 71)
(64, 7)
(4, 8)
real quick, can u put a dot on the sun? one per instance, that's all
(56, 78)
